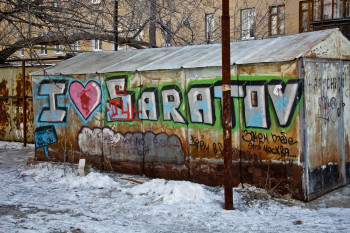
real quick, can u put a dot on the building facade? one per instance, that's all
(163, 23)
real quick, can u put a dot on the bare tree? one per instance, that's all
(27, 23)
(141, 23)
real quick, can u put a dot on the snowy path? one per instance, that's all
(51, 197)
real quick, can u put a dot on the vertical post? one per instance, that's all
(115, 19)
(226, 103)
(152, 24)
(24, 106)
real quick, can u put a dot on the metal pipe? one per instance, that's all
(227, 104)
(115, 15)
(24, 104)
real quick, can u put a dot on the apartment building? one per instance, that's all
(330, 14)
(163, 23)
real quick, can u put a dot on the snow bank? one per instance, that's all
(44, 172)
(14, 145)
(67, 175)
(52, 197)
(92, 181)
(172, 192)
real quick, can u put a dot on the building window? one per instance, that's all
(58, 49)
(276, 22)
(75, 45)
(304, 15)
(135, 33)
(330, 9)
(248, 23)
(209, 28)
(42, 50)
(167, 33)
(21, 52)
(96, 45)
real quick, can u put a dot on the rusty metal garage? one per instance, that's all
(158, 112)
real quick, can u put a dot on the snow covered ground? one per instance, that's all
(51, 197)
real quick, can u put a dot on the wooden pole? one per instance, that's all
(226, 104)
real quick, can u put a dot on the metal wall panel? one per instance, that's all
(11, 104)
(168, 123)
(326, 117)
(346, 122)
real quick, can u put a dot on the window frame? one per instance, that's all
(95, 2)
(96, 42)
(209, 28)
(166, 34)
(42, 50)
(75, 46)
(250, 28)
(134, 29)
(58, 49)
(301, 11)
(277, 14)
(21, 52)
(344, 13)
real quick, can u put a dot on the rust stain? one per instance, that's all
(30, 121)
(284, 69)
(28, 86)
(169, 171)
(19, 85)
(347, 148)
(4, 91)
(4, 114)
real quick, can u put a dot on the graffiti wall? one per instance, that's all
(168, 123)
(327, 113)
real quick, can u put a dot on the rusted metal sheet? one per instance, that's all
(168, 123)
(289, 118)
(124, 144)
(326, 117)
(5, 120)
(165, 148)
(346, 117)
(334, 46)
(11, 104)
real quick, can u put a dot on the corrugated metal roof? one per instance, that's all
(279, 49)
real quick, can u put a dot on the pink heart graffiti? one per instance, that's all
(87, 98)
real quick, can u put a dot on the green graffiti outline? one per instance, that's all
(160, 106)
(184, 107)
(273, 117)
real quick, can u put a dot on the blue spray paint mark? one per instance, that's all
(150, 106)
(141, 115)
(255, 120)
(168, 107)
(45, 90)
(193, 116)
(218, 92)
(203, 105)
(282, 102)
(44, 136)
